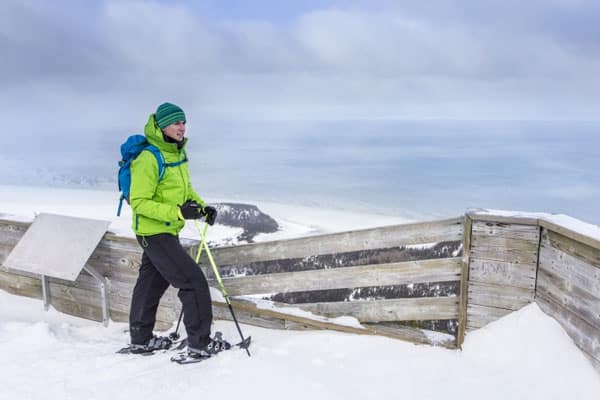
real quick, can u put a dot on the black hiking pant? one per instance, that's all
(165, 262)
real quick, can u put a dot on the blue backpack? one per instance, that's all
(132, 147)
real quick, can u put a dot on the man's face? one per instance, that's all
(175, 130)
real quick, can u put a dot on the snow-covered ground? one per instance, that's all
(48, 355)
(525, 355)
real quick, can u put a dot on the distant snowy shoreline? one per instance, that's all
(24, 202)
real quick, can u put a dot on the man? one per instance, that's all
(160, 208)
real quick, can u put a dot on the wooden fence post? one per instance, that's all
(464, 282)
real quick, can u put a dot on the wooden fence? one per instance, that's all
(453, 275)
(384, 277)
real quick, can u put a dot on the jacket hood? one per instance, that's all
(155, 137)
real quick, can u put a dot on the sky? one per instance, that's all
(99, 65)
(290, 97)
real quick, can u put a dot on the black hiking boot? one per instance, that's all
(155, 343)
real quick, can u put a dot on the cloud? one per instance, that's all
(107, 65)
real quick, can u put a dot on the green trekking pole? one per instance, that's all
(175, 335)
(245, 343)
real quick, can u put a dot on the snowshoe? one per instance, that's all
(213, 347)
(179, 345)
(148, 348)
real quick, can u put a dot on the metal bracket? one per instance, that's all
(45, 291)
(103, 291)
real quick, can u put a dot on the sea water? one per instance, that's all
(412, 169)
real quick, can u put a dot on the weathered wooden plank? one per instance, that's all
(77, 309)
(499, 296)
(513, 255)
(343, 259)
(464, 281)
(503, 273)
(119, 242)
(390, 236)
(283, 312)
(419, 336)
(241, 306)
(439, 270)
(495, 218)
(83, 296)
(433, 289)
(526, 233)
(479, 316)
(117, 316)
(112, 253)
(508, 243)
(505, 243)
(575, 271)
(21, 285)
(109, 260)
(587, 240)
(585, 336)
(412, 309)
(569, 296)
(572, 247)
(221, 311)
(116, 273)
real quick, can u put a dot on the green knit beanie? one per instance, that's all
(167, 114)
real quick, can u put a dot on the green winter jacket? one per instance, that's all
(156, 204)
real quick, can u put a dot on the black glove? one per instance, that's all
(191, 210)
(211, 214)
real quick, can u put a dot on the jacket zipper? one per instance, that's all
(180, 166)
